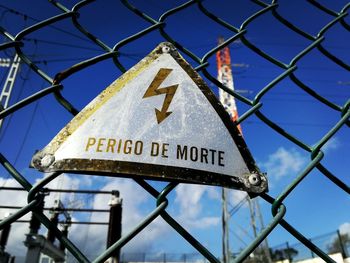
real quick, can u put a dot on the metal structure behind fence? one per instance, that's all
(54, 86)
(331, 243)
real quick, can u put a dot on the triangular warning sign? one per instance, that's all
(159, 121)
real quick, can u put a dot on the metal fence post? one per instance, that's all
(288, 252)
(4, 235)
(115, 224)
(341, 244)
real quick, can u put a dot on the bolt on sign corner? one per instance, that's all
(161, 121)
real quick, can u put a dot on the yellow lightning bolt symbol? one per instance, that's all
(154, 90)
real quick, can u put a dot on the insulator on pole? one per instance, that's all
(65, 234)
(34, 223)
(54, 220)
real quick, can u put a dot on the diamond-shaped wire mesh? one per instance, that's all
(255, 107)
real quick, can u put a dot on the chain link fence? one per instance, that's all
(331, 243)
(163, 257)
(54, 86)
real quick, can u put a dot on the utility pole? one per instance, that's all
(225, 228)
(4, 235)
(223, 61)
(254, 208)
(252, 216)
(115, 224)
(265, 243)
(10, 80)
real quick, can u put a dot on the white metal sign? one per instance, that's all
(160, 121)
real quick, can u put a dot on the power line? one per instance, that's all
(301, 94)
(241, 76)
(59, 44)
(54, 190)
(307, 98)
(25, 16)
(46, 61)
(71, 222)
(291, 124)
(70, 209)
(212, 44)
(238, 237)
(290, 100)
(121, 54)
(238, 206)
(26, 133)
(297, 45)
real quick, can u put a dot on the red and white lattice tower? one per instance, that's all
(223, 61)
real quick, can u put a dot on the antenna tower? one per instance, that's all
(10, 80)
(223, 60)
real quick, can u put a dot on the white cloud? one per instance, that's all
(190, 198)
(133, 198)
(90, 239)
(15, 244)
(237, 196)
(283, 162)
(14, 198)
(214, 193)
(202, 222)
(65, 181)
(137, 204)
(332, 144)
(345, 228)
(11, 198)
(134, 202)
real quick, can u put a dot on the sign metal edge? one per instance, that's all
(44, 161)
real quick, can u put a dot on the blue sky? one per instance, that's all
(315, 207)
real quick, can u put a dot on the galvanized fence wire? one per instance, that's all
(55, 87)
